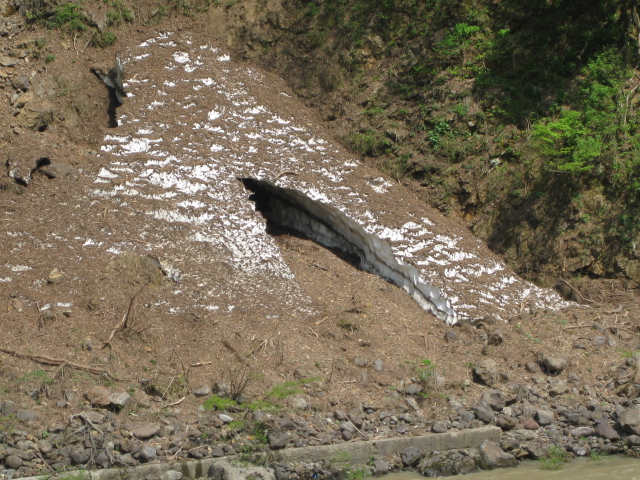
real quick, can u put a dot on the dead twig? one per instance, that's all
(57, 361)
(124, 323)
(286, 172)
(87, 44)
(177, 402)
(44, 461)
(629, 331)
(200, 364)
(581, 296)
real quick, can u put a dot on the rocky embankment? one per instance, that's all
(548, 412)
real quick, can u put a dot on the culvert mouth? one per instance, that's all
(290, 209)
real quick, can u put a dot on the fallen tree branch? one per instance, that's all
(575, 290)
(58, 361)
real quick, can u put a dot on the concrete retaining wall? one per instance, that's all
(353, 453)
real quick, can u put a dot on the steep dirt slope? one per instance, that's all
(155, 241)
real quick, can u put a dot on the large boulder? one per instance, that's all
(630, 420)
(492, 456)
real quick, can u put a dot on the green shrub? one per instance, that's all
(103, 39)
(554, 459)
(67, 17)
(218, 403)
(369, 143)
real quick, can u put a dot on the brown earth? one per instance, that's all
(162, 356)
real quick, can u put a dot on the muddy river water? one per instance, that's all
(614, 467)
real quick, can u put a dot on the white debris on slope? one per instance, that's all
(182, 172)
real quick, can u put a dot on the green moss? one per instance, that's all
(218, 403)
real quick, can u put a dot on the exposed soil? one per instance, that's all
(328, 321)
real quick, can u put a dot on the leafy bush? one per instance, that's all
(67, 17)
(370, 143)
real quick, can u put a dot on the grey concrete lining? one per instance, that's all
(361, 452)
(353, 453)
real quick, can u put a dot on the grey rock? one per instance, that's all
(36, 116)
(22, 100)
(506, 422)
(413, 389)
(529, 423)
(360, 362)
(127, 459)
(145, 430)
(410, 456)
(483, 412)
(532, 367)
(402, 429)
(79, 457)
(380, 467)
(535, 449)
(581, 450)
(99, 396)
(347, 435)
(102, 458)
(486, 371)
(553, 362)
(440, 427)
(413, 403)
(558, 388)
(632, 441)
(447, 464)
(120, 399)
(147, 453)
(202, 391)
(298, 402)
(493, 399)
(225, 418)
(6, 61)
(56, 170)
(26, 416)
(606, 431)
(581, 432)
(13, 461)
(378, 365)
(340, 415)
(544, 417)
(355, 417)
(171, 475)
(8, 408)
(492, 456)
(451, 335)
(630, 420)
(277, 439)
(21, 82)
(217, 452)
(347, 426)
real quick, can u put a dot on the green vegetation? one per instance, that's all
(534, 103)
(218, 403)
(67, 17)
(49, 58)
(554, 459)
(103, 39)
(39, 376)
(289, 388)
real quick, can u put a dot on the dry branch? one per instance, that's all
(58, 361)
(124, 323)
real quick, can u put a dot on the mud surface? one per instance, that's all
(142, 265)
